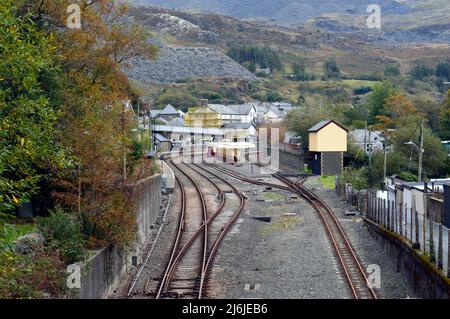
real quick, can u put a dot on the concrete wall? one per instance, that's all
(293, 161)
(421, 276)
(102, 273)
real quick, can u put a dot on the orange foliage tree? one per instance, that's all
(95, 127)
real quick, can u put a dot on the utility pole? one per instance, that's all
(138, 114)
(385, 160)
(421, 150)
(370, 149)
(365, 141)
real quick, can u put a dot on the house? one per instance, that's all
(203, 116)
(162, 143)
(240, 132)
(167, 114)
(265, 71)
(415, 195)
(217, 115)
(327, 144)
(368, 140)
(272, 112)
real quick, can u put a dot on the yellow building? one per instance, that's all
(202, 116)
(327, 144)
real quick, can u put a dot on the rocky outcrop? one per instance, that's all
(29, 243)
(183, 63)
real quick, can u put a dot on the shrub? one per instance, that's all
(63, 233)
(23, 276)
(408, 177)
(362, 90)
(355, 177)
(274, 97)
(115, 225)
(9, 233)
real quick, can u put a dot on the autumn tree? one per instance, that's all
(397, 110)
(95, 127)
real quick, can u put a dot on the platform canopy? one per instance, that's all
(232, 145)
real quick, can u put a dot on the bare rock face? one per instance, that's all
(184, 63)
(29, 243)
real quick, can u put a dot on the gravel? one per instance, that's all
(370, 251)
(287, 258)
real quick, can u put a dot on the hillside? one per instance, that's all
(180, 63)
(402, 21)
(283, 12)
(358, 54)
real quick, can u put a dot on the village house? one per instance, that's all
(369, 141)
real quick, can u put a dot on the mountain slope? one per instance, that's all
(282, 11)
(402, 20)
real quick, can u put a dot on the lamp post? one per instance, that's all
(420, 150)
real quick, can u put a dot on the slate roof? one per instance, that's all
(169, 110)
(161, 138)
(242, 109)
(322, 124)
(241, 126)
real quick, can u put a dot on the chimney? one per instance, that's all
(204, 102)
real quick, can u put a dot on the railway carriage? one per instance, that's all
(229, 152)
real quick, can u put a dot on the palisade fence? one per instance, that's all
(427, 237)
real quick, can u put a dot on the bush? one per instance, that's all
(274, 97)
(355, 177)
(362, 90)
(408, 177)
(63, 233)
(115, 225)
(25, 277)
(9, 233)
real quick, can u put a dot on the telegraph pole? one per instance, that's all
(421, 150)
(370, 148)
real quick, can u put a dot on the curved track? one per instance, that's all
(352, 268)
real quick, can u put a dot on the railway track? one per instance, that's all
(189, 253)
(196, 244)
(350, 264)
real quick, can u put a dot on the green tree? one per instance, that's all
(331, 70)
(421, 71)
(444, 127)
(376, 100)
(28, 147)
(179, 100)
(299, 70)
(443, 71)
(314, 109)
(391, 70)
